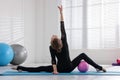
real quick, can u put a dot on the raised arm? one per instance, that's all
(62, 27)
(61, 12)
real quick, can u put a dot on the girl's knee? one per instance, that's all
(83, 54)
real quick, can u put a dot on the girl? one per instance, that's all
(59, 49)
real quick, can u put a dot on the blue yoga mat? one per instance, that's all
(15, 73)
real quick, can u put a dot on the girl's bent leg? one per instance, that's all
(77, 60)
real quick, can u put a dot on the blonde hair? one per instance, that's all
(56, 44)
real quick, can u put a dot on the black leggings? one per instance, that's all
(74, 63)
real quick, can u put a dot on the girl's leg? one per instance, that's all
(83, 56)
(36, 69)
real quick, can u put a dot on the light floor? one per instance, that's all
(61, 77)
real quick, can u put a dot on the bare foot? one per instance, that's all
(15, 68)
(98, 70)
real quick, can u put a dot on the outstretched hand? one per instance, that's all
(61, 12)
(60, 8)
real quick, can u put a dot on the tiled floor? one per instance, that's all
(60, 77)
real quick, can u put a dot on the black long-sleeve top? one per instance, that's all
(63, 59)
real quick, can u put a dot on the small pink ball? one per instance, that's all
(118, 61)
(83, 66)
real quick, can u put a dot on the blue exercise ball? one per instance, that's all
(6, 54)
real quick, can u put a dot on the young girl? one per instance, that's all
(59, 49)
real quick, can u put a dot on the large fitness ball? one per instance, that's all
(20, 54)
(83, 66)
(6, 54)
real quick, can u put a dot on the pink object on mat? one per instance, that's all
(115, 64)
(118, 60)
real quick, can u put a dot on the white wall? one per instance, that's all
(30, 29)
(46, 26)
(10, 8)
(11, 22)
